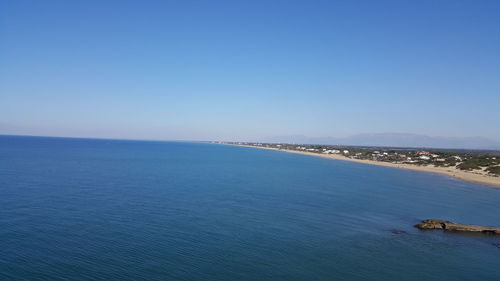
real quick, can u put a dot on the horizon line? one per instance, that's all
(248, 142)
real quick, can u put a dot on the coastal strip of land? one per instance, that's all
(471, 176)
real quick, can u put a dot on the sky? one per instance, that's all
(243, 70)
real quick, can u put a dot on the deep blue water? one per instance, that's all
(82, 209)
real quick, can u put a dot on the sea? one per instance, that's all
(94, 209)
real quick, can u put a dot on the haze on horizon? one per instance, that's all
(250, 70)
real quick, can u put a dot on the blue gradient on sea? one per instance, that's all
(84, 209)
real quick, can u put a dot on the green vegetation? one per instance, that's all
(494, 170)
(477, 163)
(468, 165)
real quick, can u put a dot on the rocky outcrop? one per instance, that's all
(451, 226)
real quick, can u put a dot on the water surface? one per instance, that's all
(83, 209)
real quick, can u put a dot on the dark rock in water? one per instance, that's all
(395, 231)
(496, 245)
(451, 226)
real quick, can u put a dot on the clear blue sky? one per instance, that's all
(249, 69)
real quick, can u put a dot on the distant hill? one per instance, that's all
(394, 140)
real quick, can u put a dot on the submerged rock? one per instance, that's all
(451, 226)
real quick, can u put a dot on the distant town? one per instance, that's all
(468, 160)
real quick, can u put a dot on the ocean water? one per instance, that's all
(83, 209)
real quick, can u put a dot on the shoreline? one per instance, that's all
(452, 172)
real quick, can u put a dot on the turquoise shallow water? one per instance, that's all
(82, 209)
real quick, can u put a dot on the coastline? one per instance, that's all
(469, 176)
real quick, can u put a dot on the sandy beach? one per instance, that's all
(472, 176)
